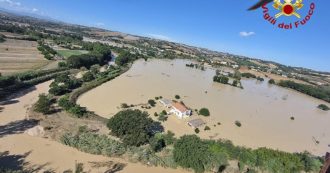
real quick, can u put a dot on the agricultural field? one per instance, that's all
(67, 53)
(20, 55)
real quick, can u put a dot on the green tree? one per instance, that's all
(43, 105)
(204, 112)
(169, 138)
(152, 102)
(191, 152)
(177, 97)
(271, 81)
(133, 127)
(235, 83)
(156, 143)
(88, 76)
(323, 107)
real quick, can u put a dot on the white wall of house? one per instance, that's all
(180, 114)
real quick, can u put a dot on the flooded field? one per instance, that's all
(264, 110)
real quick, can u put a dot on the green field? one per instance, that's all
(68, 53)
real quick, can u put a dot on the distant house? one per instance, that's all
(166, 103)
(235, 66)
(196, 123)
(180, 110)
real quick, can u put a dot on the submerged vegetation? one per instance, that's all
(323, 107)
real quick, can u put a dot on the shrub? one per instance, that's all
(292, 118)
(62, 65)
(152, 102)
(169, 138)
(271, 81)
(197, 130)
(162, 117)
(133, 127)
(235, 83)
(157, 144)
(323, 107)
(177, 97)
(72, 108)
(207, 128)
(204, 112)
(164, 112)
(124, 105)
(88, 76)
(238, 123)
(43, 105)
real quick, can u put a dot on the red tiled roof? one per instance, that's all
(182, 108)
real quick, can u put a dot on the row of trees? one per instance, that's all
(46, 50)
(207, 155)
(317, 92)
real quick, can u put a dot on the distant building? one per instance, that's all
(196, 123)
(223, 62)
(180, 110)
(235, 66)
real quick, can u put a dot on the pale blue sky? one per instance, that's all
(214, 24)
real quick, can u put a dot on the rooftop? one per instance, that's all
(196, 123)
(179, 106)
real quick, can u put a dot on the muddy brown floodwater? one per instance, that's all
(264, 110)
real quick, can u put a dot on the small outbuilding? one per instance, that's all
(165, 102)
(196, 123)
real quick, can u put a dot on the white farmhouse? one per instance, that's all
(180, 110)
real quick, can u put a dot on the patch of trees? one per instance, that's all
(72, 108)
(64, 84)
(317, 92)
(46, 50)
(133, 127)
(208, 155)
(323, 107)
(99, 54)
(249, 75)
(221, 79)
(204, 111)
(43, 104)
(125, 57)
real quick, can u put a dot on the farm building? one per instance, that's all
(180, 110)
(196, 123)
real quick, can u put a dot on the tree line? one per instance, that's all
(317, 92)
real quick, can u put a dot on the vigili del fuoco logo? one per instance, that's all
(290, 9)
